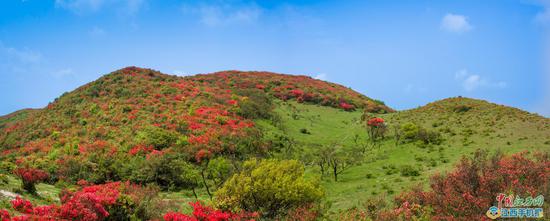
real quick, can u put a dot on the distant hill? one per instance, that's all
(478, 122)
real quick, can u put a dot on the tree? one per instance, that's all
(219, 169)
(376, 128)
(30, 177)
(268, 186)
(339, 159)
(169, 172)
(157, 137)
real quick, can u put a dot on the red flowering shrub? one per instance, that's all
(22, 205)
(346, 106)
(29, 177)
(4, 215)
(469, 190)
(303, 213)
(376, 128)
(140, 149)
(114, 201)
(375, 122)
(90, 203)
(201, 212)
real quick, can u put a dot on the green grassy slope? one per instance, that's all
(484, 125)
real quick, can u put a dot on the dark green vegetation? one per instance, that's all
(192, 138)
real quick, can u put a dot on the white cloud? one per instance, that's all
(63, 73)
(180, 73)
(321, 76)
(412, 89)
(82, 7)
(471, 82)
(24, 55)
(223, 14)
(455, 23)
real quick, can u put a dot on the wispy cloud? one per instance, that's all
(83, 7)
(216, 14)
(413, 89)
(471, 82)
(180, 73)
(321, 76)
(80, 6)
(543, 17)
(97, 31)
(24, 55)
(63, 72)
(455, 23)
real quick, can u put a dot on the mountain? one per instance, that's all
(112, 128)
(124, 110)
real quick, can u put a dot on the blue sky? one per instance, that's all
(406, 53)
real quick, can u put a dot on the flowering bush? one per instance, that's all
(473, 186)
(21, 205)
(376, 128)
(115, 201)
(375, 122)
(346, 106)
(29, 177)
(4, 215)
(201, 212)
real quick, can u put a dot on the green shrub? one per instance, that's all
(169, 172)
(157, 137)
(408, 170)
(461, 108)
(410, 130)
(3, 179)
(270, 187)
(255, 105)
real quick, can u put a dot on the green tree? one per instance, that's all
(156, 136)
(169, 172)
(410, 131)
(270, 187)
(340, 158)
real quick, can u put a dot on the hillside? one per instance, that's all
(132, 98)
(128, 124)
(136, 112)
(463, 124)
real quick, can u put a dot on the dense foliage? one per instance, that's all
(268, 186)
